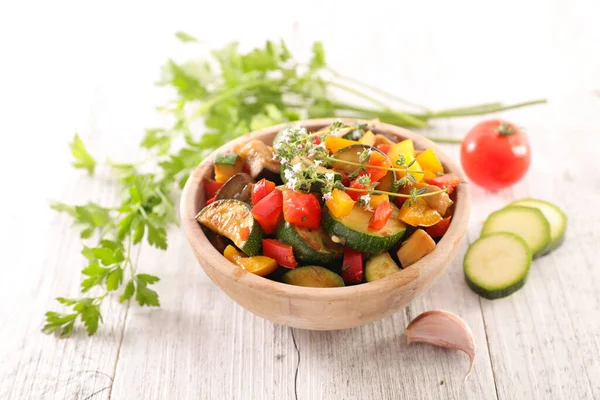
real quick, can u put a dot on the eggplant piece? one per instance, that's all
(259, 158)
(238, 187)
(219, 242)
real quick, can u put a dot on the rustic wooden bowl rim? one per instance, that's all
(193, 194)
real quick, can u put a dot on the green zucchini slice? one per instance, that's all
(233, 219)
(556, 218)
(496, 265)
(313, 276)
(527, 222)
(310, 246)
(379, 267)
(352, 231)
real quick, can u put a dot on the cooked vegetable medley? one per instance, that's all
(340, 206)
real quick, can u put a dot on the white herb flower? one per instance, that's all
(291, 183)
(318, 163)
(365, 201)
(330, 176)
(311, 152)
(327, 196)
(296, 167)
(288, 174)
(283, 160)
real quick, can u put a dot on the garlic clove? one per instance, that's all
(444, 329)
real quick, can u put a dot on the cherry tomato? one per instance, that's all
(495, 154)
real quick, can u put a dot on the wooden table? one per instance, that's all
(91, 68)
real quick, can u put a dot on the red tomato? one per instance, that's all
(447, 181)
(352, 266)
(261, 189)
(356, 185)
(439, 229)
(382, 213)
(267, 211)
(379, 160)
(302, 209)
(211, 187)
(280, 252)
(495, 154)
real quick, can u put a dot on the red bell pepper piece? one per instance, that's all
(447, 181)
(352, 266)
(211, 187)
(280, 252)
(267, 211)
(439, 229)
(316, 140)
(261, 189)
(209, 201)
(382, 214)
(302, 209)
(356, 185)
(384, 147)
(379, 160)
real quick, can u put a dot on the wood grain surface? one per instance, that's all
(75, 66)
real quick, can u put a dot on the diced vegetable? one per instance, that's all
(368, 138)
(261, 189)
(352, 231)
(496, 265)
(233, 219)
(430, 164)
(334, 144)
(379, 160)
(438, 230)
(352, 154)
(226, 166)
(280, 252)
(382, 214)
(259, 157)
(385, 148)
(526, 222)
(238, 187)
(352, 266)
(405, 150)
(310, 246)
(447, 181)
(340, 204)
(419, 214)
(556, 218)
(379, 267)
(313, 276)
(301, 209)
(417, 246)
(376, 199)
(211, 187)
(355, 184)
(258, 265)
(268, 210)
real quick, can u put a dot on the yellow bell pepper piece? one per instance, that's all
(430, 163)
(258, 265)
(223, 171)
(377, 199)
(419, 214)
(406, 148)
(368, 138)
(334, 144)
(340, 204)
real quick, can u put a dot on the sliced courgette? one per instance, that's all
(233, 219)
(313, 276)
(556, 218)
(352, 154)
(310, 246)
(379, 267)
(497, 264)
(352, 230)
(527, 222)
(304, 164)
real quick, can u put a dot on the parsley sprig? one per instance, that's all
(232, 93)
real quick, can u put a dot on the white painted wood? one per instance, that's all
(72, 65)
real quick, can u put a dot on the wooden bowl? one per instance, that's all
(322, 308)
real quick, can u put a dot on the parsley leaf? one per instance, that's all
(82, 159)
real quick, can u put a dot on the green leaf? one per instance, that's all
(83, 159)
(114, 279)
(138, 231)
(67, 302)
(90, 317)
(146, 297)
(185, 37)
(147, 279)
(87, 253)
(128, 292)
(63, 207)
(156, 237)
(105, 255)
(318, 58)
(124, 225)
(95, 270)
